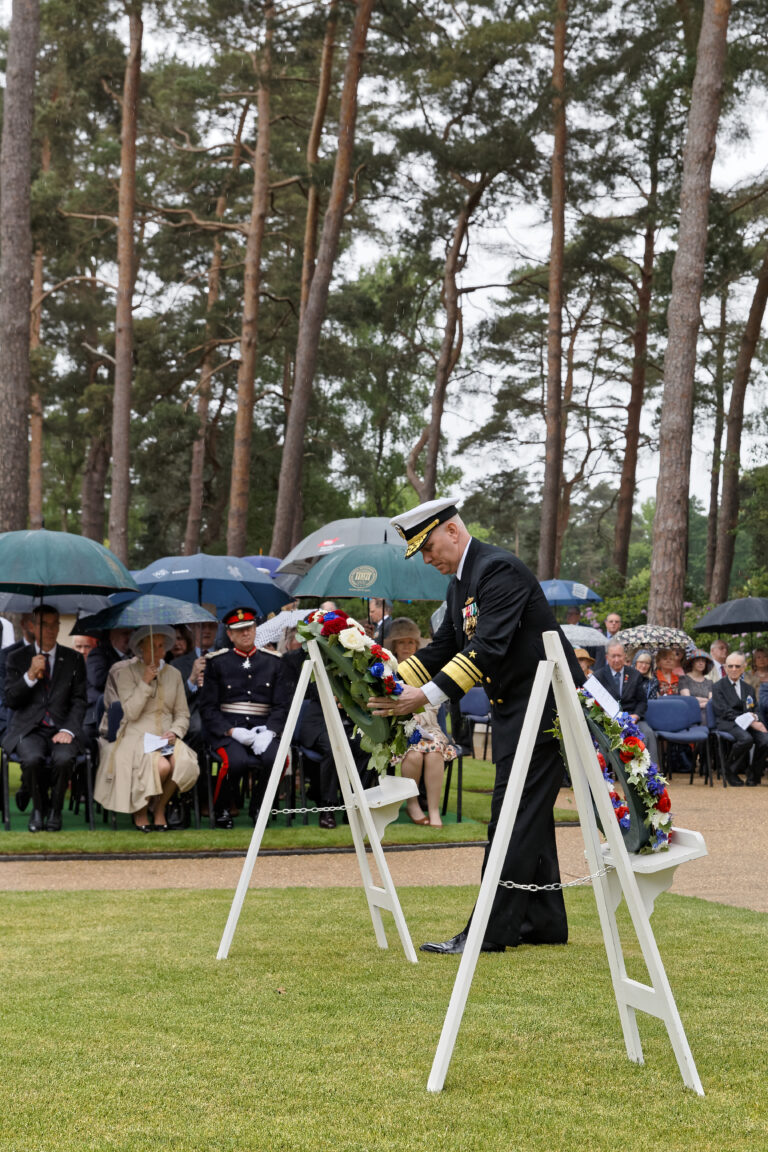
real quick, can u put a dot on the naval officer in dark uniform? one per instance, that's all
(244, 704)
(491, 636)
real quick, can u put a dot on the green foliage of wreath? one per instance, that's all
(638, 835)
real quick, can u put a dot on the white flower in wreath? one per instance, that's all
(659, 819)
(410, 726)
(645, 761)
(352, 639)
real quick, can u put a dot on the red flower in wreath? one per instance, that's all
(378, 652)
(622, 811)
(664, 803)
(601, 759)
(334, 626)
(627, 751)
(389, 685)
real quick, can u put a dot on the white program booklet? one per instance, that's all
(602, 695)
(154, 743)
(745, 720)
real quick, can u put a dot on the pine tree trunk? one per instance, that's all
(729, 504)
(553, 459)
(16, 261)
(450, 349)
(312, 321)
(717, 441)
(126, 276)
(237, 523)
(197, 466)
(93, 489)
(670, 527)
(636, 392)
(36, 401)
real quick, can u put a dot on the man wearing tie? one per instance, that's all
(719, 653)
(733, 697)
(627, 687)
(45, 690)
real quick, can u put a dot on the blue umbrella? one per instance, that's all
(145, 609)
(569, 592)
(225, 581)
(271, 563)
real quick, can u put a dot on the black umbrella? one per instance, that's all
(744, 615)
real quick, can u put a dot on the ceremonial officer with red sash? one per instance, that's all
(491, 636)
(244, 704)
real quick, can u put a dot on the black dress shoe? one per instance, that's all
(36, 821)
(455, 946)
(327, 820)
(752, 783)
(53, 823)
(733, 780)
(224, 820)
(22, 799)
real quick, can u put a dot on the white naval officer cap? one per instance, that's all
(415, 525)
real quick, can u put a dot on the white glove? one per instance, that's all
(242, 735)
(262, 738)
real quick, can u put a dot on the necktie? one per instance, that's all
(722, 670)
(47, 718)
(617, 678)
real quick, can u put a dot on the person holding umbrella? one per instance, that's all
(148, 760)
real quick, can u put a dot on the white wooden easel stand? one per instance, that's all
(369, 811)
(639, 878)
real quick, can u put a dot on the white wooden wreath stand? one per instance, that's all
(369, 811)
(639, 878)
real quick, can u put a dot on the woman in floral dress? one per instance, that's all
(428, 755)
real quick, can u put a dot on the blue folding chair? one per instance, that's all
(475, 707)
(677, 720)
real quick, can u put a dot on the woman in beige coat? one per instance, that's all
(152, 696)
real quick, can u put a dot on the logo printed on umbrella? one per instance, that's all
(580, 591)
(160, 572)
(234, 571)
(363, 577)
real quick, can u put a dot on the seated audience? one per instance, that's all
(84, 645)
(585, 660)
(694, 680)
(151, 694)
(668, 679)
(718, 652)
(758, 678)
(110, 650)
(244, 703)
(626, 686)
(27, 637)
(45, 690)
(182, 644)
(426, 758)
(642, 662)
(732, 698)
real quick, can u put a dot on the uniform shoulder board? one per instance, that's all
(218, 652)
(270, 652)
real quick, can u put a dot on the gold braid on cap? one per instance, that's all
(416, 542)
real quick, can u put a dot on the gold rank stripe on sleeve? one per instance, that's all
(413, 672)
(463, 672)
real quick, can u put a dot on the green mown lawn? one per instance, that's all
(120, 1030)
(75, 836)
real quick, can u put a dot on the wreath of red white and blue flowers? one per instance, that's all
(358, 668)
(627, 767)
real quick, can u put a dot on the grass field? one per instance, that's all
(75, 836)
(120, 1030)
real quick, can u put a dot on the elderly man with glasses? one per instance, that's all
(734, 704)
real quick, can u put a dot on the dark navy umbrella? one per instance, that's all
(225, 581)
(569, 592)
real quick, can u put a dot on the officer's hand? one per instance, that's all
(410, 700)
(198, 671)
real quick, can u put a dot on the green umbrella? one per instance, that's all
(373, 570)
(40, 563)
(145, 609)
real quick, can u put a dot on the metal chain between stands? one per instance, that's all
(556, 887)
(302, 811)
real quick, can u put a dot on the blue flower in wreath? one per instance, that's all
(624, 821)
(377, 669)
(398, 688)
(414, 737)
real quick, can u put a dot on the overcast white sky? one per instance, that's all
(494, 251)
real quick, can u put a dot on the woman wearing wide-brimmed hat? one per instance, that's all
(154, 703)
(693, 682)
(427, 757)
(585, 660)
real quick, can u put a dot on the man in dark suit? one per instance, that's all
(380, 613)
(45, 689)
(733, 697)
(110, 651)
(491, 635)
(627, 687)
(27, 637)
